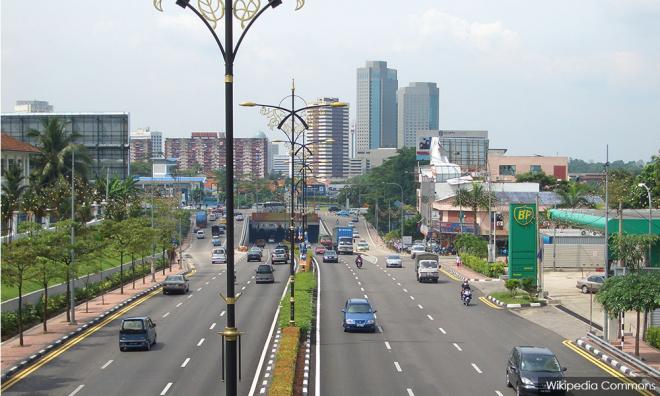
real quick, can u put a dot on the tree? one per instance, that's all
(141, 168)
(56, 147)
(118, 234)
(631, 249)
(471, 244)
(44, 271)
(18, 259)
(35, 202)
(220, 176)
(475, 198)
(12, 191)
(197, 195)
(650, 176)
(546, 182)
(635, 291)
(574, 195)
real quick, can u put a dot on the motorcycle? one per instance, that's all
(466, 296)
(358, 263)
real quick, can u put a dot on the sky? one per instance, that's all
(554, 77)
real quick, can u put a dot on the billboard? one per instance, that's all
(423, 148)
(523, 242)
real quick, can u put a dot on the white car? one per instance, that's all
(239, 217)
(200, 234)
(362, 246)
(219, 256)
(355, 234)
(417, 249)
(393, 260)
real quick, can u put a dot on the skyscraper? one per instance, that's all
(376, 113)
(418, 108)
(329, 159)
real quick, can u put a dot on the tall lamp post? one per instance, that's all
(246, 14)
(648, 191)
(398, 185)
(278, 117)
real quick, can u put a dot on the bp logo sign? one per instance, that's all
(523, 215)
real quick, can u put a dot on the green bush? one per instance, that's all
(492, 270)
(652, 336)
(512, 285)
(527, 284)
(471, 244)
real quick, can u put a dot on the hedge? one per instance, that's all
(305, 283)
(284, 371)
(491, 270)
(653, 336)
(57, 304)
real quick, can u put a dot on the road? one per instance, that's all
(428, 342)
(186, 359)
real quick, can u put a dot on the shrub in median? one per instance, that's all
(492, 270)
(284, 371)
(653, 336)
(305, 283)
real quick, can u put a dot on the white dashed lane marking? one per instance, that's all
(199, 289)
(420, 306)
(185, 362)
(76, 390)
(457, 346)
(498, 393)
(107, 364)
(201, 342)
(410, 392)
(387, 345)
(430, 317)
(405, 290)
(398, 368)
(166, 315)
(179, 304)
(477, 368)
(212, 326)
(222, 313)
(167, 387)
(442, 330)
(412, 298)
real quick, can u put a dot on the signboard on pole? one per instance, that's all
(522, 242)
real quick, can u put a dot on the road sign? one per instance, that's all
(523, 242)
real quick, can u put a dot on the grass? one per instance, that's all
(284, 371)
(520, 298)
(305, 282)
(110, 261)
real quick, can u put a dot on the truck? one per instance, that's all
(326, 241)
(343, 240)
(200, 219)
(427, 267)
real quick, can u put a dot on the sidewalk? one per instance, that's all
(449, 263)
(35, 340)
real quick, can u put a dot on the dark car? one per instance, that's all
(175, 283)
(534, 370)
(358, 315)
(333, 209)
(330, 256)
(254, 254)
(137, 332)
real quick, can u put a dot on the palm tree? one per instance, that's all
(475, 198)
(12, 192)
(574, 195)
(56, 146)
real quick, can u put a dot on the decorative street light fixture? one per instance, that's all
(210, 12)
(398, 185)
(278, 117)
(648, 191)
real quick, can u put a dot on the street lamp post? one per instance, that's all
(398, 185)
(72, 284)
(245, 13)
(648, 191)
(279, 120)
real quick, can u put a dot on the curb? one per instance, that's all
(305, 389)
(528, 305)
(463, 278)
(63, 340)
(605, 358)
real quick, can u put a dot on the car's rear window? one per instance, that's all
(330, 252)
(132, 325)
(174, 278)
(264, 269)
(394, 257)
(359, 308)
(280, 251)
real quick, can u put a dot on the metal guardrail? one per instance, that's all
(633, 361)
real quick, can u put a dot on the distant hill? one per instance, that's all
(579, 166)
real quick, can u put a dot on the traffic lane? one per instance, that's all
(254, 312)
(351, 363)
(475, 324)
(431, 363)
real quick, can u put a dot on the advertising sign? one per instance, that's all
(523, 241)
(423, 148)
(445, 227)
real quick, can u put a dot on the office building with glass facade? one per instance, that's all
(104, 135)
(468, 149)
(418, 108)
(376, 114)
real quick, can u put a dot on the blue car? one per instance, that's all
(137, 333)
(343, 213)
(359, 315)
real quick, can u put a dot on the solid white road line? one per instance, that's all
(456, 346)
(477, 368)
(76, 390)
(398, 368)
(200, 342)
(167, 387)
(317, 348)
(410, 392)
(179, 304)
(253, 387)
(430, 317)
(420, 306)
(212, 326)
(222, 313)
(185, 362)
(166, 315)
(442, 330)
(107, 364)
(387, 345)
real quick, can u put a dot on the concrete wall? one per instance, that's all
(574, 256)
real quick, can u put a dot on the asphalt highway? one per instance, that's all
(428, 342)
(187, 357)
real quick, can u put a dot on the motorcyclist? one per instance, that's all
(464, 286)
(358, 261)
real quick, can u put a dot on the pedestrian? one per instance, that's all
(458, 260)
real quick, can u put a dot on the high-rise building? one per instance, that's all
(418, 108)
(33, 106)
(282, 164)
(104, 135)
(468, 149)
(376, 114)
(328, 159)
(250, 158)
(146, 144)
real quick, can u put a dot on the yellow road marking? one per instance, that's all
(73, 341)
(489, 303)
(569, 344)
(449, 275)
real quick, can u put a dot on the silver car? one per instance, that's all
(416, 249)
(219, 256)
(393, 260)
(175, 283)
(590, 284)
(265, 274)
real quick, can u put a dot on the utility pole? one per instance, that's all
(72, 284)
(606, 319)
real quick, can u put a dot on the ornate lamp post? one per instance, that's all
(210, 12)
(398, 185)
(648, 192)
(278, 117)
